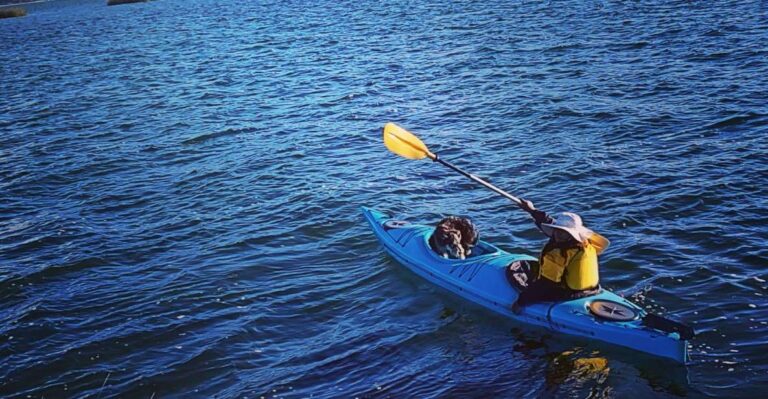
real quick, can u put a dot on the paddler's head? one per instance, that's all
(565, 227)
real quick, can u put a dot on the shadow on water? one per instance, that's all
(598, 368)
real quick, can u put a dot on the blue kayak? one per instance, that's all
(484, 278)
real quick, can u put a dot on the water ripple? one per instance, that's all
(180, 184)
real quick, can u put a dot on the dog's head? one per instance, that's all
(448, 242)
(454, 237)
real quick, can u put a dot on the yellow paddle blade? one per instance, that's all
(404, 143)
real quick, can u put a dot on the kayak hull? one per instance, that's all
(482, 279)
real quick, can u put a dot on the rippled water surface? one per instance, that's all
(180, 184)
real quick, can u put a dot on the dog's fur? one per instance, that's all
(454, 237)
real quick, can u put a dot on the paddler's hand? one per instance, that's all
(526, 205)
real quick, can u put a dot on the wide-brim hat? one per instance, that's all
(569, 222)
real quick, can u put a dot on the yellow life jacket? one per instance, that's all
(579, 265)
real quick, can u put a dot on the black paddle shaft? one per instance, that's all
(479, 180)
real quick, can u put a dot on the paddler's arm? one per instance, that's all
(538, 216)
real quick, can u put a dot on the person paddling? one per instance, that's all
(568, 266)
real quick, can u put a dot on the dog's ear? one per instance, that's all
(473, 234)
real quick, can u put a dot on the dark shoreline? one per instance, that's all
(12, 13)
(118, 2)
(10, 3)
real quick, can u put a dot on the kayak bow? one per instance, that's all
(482, 279)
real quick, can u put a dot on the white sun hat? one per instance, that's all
(569, 222)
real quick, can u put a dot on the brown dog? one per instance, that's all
(454, 237)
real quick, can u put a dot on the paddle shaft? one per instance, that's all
(478, 180)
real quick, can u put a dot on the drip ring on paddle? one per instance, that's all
(613, 311)
(395, 224)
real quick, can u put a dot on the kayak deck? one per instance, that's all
(481, 279)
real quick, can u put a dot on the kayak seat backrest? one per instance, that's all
(521, 273)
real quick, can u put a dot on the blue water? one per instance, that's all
(180, 184)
